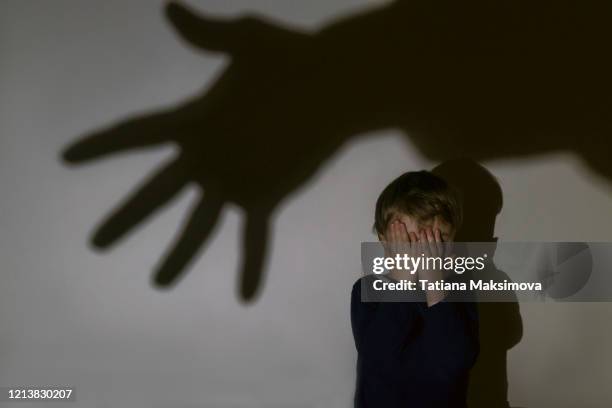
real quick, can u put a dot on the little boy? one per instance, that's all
(414, 354)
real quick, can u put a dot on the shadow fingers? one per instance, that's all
(157, 191)
(256, 237)
(194, 235)
(232, 36)
(140, 132)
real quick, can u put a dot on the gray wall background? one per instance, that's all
(71, 316)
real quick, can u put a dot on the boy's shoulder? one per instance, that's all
(364, 280)
(365, 289)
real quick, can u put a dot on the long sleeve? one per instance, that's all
(380, 328)
(410, 354)
(451, 333)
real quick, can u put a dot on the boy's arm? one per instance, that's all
(451, 332)
(379, 327)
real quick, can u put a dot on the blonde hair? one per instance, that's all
(421, 195)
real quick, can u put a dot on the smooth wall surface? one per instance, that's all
(70, 315)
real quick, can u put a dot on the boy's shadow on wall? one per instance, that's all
(482, 79)
(501, 326)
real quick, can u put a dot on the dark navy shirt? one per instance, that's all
(411, 355)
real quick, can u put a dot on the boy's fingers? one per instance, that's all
(393, 236)
(387, 239)
(411, 243)
(419, 239)
(403, 232)
(423, 238)
(405, 239)
(399, 226)
(439, 243)
(414, 242)
(424, 242)
(431, 242)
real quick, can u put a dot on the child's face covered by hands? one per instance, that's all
(403, 228)
(405, 236)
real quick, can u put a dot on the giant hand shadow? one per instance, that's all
(483, 79)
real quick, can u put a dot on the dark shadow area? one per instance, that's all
(484, 79)
(501, 326)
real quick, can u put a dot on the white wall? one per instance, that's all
(71, 316)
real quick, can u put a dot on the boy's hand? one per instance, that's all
(427, 243)
(433, 245)
(396, 238)
(397, 241)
